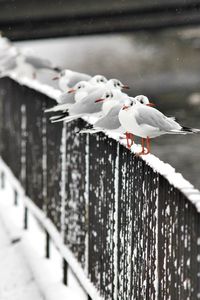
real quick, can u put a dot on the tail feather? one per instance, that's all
(91, 131)
(66, 119)
(185, 130)
(59, 107)
(59, 117)
(190, 130)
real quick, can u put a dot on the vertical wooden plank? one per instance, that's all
(138, 196)
(34, 159)
(75, 210)
(102, 159)
(54, 160)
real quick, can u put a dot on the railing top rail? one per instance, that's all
(164, 169)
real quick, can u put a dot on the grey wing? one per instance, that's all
(87, 105)
(66, 98)
(78, 77)
(111, 120)
(38, 63)
(156, 119)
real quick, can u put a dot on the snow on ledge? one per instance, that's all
(36, 85)
(164, 169)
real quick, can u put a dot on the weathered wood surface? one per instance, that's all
(35, 19)
(75, 184)
(136, 236)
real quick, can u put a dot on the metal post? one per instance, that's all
(25, 218)
(47, 254)
(65, 270)
(15, 198)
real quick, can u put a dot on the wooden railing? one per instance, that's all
(129, 224)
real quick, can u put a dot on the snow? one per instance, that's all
(16, 279)
(36, 85)
(36, 239)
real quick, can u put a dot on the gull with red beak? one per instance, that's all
(148, 122)
(78, 92)
(145, 101)
(110, 122)
(87, 105)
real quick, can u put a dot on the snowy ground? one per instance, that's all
(24, 272)
(16, 279)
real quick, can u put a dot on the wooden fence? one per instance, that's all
(133, 232)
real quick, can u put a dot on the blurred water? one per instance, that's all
(164, 66)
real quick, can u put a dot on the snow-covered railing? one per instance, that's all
(131, 223)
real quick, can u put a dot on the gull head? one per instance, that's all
(80, 86)
(111, 94)
(133, 102)
(144, 100)
(108, 95)
(117, 84)
(98, 79)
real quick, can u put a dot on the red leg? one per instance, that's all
(142, 152)
(128, 136)
(131, 138)
(127, 140)
(148, 145)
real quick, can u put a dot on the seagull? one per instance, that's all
(87, 105)
(26, 61)
(110, 122)
(148, 122)
(68, 78)
(24, 64)
(112, 100)
(76, 94)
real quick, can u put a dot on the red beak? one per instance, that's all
(55, 78)
(99, 100)
(71, 91)
(151, 104)
(125, 87)
(125, 107)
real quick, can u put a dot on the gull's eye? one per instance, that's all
(141, 101)
(131, 104)
(102, 80)
(107, 95)
(118, 84)
(79, 86)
